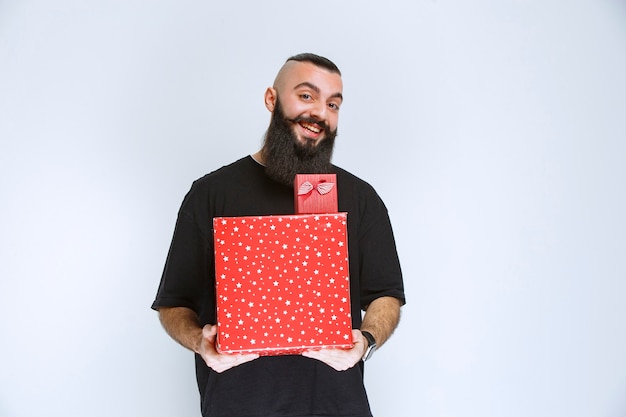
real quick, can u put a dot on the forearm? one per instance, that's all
(181, 323)
(381, 318)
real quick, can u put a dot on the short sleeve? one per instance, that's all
(379, 266)
(188, 273)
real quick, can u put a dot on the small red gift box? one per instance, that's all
(282, 283)
(315, 193)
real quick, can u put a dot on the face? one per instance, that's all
(311, 97)
(285, 156)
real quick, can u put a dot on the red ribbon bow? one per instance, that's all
(322, 188)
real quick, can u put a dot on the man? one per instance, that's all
(304, 101)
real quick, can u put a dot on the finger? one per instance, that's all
(226, 362)
(336, 359)
(313, 354)
(209, 331)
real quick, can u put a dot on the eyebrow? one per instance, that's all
(316, 89)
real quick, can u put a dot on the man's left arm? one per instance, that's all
(380, 320)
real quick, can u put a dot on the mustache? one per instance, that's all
(309, 120)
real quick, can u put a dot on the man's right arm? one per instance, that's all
(182, 324)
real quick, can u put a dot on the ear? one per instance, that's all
(270, 99)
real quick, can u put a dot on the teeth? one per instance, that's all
(311, 128)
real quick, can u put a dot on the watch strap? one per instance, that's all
(370, 339)
(371, 345)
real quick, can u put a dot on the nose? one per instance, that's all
(318, 111)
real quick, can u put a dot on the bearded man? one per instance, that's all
(304, 101)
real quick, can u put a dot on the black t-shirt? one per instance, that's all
(289, 385)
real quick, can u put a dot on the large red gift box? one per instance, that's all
(282, 283)
(315, 193)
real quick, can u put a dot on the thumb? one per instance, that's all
(209, 331)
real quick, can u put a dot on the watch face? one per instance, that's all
(369, 352)
(371, 345)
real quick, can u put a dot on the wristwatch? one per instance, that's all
(371, 345)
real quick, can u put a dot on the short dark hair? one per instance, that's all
(316, 60)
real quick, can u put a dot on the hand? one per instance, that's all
(219, 362)
(341, 359)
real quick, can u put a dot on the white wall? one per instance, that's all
(495, 132)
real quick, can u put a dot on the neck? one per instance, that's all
(258, 157)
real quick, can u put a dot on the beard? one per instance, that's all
(284, 156)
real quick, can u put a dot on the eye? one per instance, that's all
(333, 106)
(305, 96)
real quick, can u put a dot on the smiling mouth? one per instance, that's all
(311, 127)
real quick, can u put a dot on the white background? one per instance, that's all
(494, 131)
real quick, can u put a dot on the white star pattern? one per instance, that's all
(315, 307)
